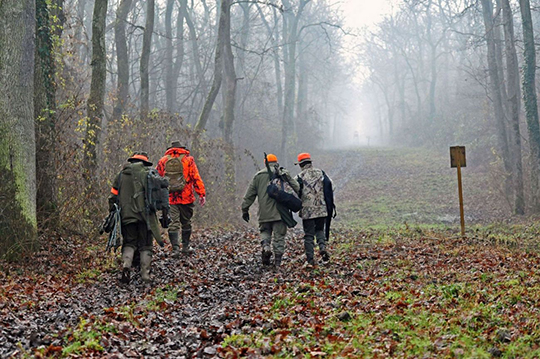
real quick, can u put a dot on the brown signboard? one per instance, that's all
(457, 156)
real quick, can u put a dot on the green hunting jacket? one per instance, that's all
(128, 191)
(257, 189)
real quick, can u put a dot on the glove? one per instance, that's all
(112, 202)
(165, 219)
(202, 200)
(245, 216)
(161, 243)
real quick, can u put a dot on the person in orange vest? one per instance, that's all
(184, 181)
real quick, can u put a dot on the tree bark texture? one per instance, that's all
(514, 101)
(291, 38)
(145, 59)
(18, 223)
(495, 89)
(218, 77)
(229, 96)
(530, 100)
(196, 53)
(122, 58)
(96, 99)
(45, 114)
(173, 66)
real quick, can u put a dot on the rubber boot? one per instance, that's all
(325, 256)
(266, 255)
(277, 260)
(186, 249)
(146, 260)
(173, 237)
(127, 257)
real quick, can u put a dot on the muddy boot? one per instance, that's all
(127, 257)
(146, 260)
(186, 249)
(173, 237)
(277, 260)
(325, 256)
(266, 255)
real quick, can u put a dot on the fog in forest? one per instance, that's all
(234, 79)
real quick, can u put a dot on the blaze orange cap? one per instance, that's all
(271, 158)
(303, 157)
(140, 156)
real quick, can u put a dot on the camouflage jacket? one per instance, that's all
(312, 193)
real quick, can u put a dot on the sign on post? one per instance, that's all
(458, 160)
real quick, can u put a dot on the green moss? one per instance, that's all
(18, 219)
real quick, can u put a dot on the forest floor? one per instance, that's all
(401, 281)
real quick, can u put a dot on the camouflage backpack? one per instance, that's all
(174, 172)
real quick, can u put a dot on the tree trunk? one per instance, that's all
(122, 58)
(216, 83)
(229, 96)
(145, 59)
(529, 98)
(18, 226)
(196, 52)
(169, 82)
(514, 100)
(173, 67)
(302, 93)
(291, 40)
(45, 115)
(495, 89)
(96, 99)
(79, 29)
(273, 33)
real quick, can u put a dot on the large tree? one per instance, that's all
(495, 83)
(96, 99)
(122, 57)
(514, 100)
(145, 59)
(17, 139)
(530, 99)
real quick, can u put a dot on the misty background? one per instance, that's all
(234, 79)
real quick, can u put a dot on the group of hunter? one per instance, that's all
(139, 223)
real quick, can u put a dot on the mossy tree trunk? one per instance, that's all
(18, 224)
(49, 25)
(530, 100)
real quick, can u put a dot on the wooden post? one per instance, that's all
(457, 159)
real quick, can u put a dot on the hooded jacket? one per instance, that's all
(194, 182)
